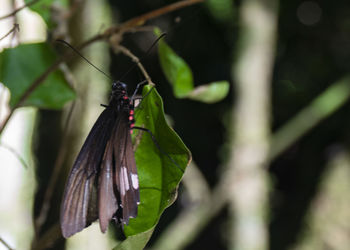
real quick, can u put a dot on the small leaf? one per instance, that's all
(210, 93)
(176, 70)
(160, 165)
(21, 65)
(179, 74)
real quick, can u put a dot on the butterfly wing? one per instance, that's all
(78, 209)
(107, 200)
(126, 176)
(118, 162)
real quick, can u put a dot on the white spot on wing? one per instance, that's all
(126, 180)
(122, 186)
(135, 181)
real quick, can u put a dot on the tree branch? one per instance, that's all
(246, 178)
(323, 106)
(136, 60)
(19, 9)
(14, 29)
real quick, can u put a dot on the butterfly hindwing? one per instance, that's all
(126, 173)
(107, 199)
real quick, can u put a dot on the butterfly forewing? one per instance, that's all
(77, 210)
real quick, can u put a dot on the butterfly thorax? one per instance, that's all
(121, 102)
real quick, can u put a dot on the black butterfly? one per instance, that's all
(104, 177)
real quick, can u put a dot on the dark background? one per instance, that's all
(309, 57)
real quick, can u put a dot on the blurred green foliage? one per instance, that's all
(21, 65)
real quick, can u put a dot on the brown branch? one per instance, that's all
(14, 29)
(140, 20)
(19, 9)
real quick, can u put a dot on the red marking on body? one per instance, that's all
(131, 118)
(131, 112)
(125, 97)
(131, 126)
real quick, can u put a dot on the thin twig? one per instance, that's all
(140, 20)
(319, 109)
(19, 9)
(145, 28)
(13, 151)
(136, 60)
(5, 244)
(14, 29)
(32, 87)
(64, 58)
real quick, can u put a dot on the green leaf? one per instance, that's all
(210, 93)
(21, 65)
(176, 70)
(179, 74)
(160, 163)
(135, 242)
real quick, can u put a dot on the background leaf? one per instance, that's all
(159, 176)
(21, 65)
(210, 93)
(179, 74)
(176, 70)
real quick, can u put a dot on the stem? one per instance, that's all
(5, 244)
(14, 29)
(323, 106)
(246, 178)
(19, 9)
(136, 60)
(140, 20)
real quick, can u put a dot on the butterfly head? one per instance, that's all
(118, 86)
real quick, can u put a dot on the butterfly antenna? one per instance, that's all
(77, 51)
(146, 54)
